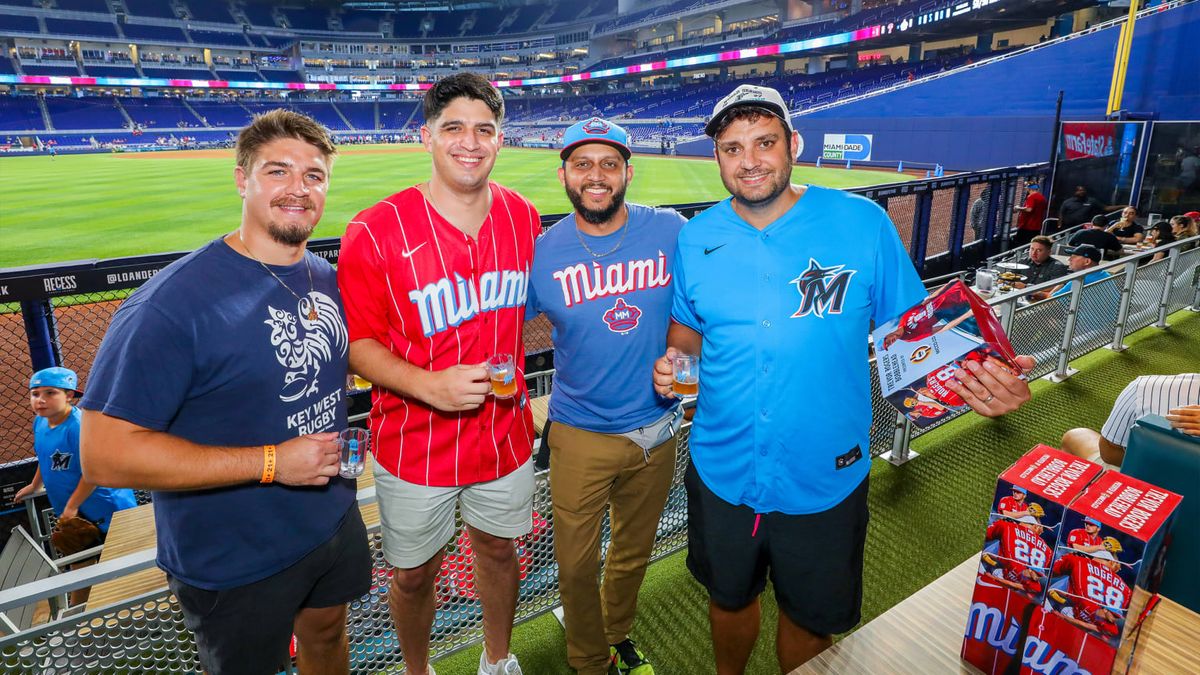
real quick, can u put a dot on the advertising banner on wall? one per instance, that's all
(856, 147)
(1089, 139)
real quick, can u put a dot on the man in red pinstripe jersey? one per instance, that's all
(434, 279)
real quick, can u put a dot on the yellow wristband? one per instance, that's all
(268, 474)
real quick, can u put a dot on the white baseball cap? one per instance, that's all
(749, 95)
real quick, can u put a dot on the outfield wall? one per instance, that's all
(1001, 112)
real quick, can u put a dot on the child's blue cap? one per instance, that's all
(63, 378)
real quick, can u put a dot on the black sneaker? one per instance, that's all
(627, 659)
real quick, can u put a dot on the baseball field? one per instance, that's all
(75, 207)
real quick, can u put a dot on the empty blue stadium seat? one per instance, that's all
(221, 113)
(110, 71)
(215, 11)
(46, 70)
(238, 75)
(360, 113)
(177, 73)
(99, 6)
(159, 113)
(361, 22)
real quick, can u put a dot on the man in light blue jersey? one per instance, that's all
(779, 311)
(602, 275)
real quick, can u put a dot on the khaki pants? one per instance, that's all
(590, 472)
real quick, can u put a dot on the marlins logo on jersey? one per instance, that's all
(822, 289)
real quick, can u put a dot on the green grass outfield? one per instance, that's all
(110, 205)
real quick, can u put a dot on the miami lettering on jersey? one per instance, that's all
(822, 289)
(445, 304)
(581, 282)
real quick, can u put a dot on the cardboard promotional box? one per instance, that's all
(1027, 513)
(1107, 566)
(919, 351)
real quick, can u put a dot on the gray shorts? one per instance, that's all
(418, 520)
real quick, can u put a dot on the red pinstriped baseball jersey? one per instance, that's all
(438, 298)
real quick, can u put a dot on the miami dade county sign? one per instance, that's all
(847, 147)
(855, 147)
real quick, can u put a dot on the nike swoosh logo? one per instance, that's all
(409, 253)
(710, 250)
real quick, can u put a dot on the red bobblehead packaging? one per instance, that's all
(919, 351)
(1026, 519)
(1107, 567)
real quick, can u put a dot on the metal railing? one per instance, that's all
(146, 633)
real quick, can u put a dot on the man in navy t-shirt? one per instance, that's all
(602, 275)
(778, 312)
(220, 386)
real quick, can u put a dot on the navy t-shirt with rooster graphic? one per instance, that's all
(610, 316)
(215, 350)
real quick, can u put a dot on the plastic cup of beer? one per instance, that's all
(503, 374)
(354, 444)
(687, 375)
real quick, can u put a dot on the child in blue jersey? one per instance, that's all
(56, 444)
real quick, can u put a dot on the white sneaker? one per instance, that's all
(505, 666)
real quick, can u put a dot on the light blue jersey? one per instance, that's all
(57, 450)
(610, 317)
(784, 409)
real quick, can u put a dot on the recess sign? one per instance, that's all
(855, 147)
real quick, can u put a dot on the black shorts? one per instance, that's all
(247, 629)
(815, 561)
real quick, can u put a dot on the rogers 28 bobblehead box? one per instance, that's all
(1107, 566)
(919, 351)
(1027, 513)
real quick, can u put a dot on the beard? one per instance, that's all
(596, 216)
(290, 235)
(775, 186)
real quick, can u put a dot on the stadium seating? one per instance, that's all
(110, 71)
(16, 23)
(361, 114)
(222, 113)
(51, 70)
(361, 22)
(20, 113)
(259, 14)
(212, 11)
(155, 8)
(307, 19)
(208, 37)
(280, 75)
(177, 73)
(98, 6)
(143, 33)
(394, 114)
(159, 113)
(239, 75)
(6, 65)
(93, 112)
(76, 27)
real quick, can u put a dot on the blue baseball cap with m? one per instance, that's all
(595, 130)
(62, 378)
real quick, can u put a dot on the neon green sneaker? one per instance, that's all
(627, 659)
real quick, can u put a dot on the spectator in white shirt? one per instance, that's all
(1175, 397)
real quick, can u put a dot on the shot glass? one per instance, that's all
(687, 375)
(503, 374)
(354, 444)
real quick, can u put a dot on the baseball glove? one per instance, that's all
(1057, 596)
(1036, 510)
(1112, 545)
(72, 535)
(989, 560)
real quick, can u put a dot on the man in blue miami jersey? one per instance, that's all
(602, 276)
(773, 304)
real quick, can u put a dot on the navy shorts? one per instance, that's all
(815, 561)
(247, 630)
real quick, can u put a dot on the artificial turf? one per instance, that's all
(76, 207)
(927, 516)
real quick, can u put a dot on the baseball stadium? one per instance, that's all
(999, 197)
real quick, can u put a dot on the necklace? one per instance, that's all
(624, 231)
(312, 308)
